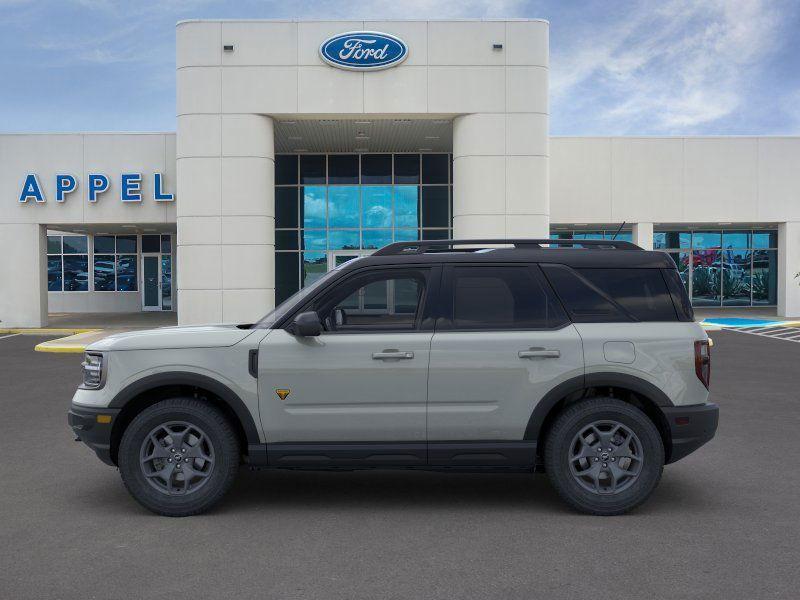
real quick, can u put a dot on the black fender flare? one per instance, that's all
(590, 380)
(228, 396)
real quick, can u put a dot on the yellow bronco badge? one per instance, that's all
(283, 394)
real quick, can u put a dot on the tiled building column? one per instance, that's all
(226, 223)
(500, 176)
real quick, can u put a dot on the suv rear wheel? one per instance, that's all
(604, 456)
(178, 457)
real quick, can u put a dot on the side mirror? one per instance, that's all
(306, 324)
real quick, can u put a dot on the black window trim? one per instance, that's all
(444, 320)
(425, 319)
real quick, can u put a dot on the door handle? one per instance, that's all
(539, 353)
(392, 355)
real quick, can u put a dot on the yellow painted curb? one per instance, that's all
(60, 349)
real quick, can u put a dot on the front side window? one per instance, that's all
(380, 301)
(501, 298)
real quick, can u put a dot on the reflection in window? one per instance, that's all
(76, 273)
(313, 207)
(349, 203)
(725, 267)
(67, 263)
(377, 206)
(343, 204)
(114, 263)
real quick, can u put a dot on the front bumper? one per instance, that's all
(96, 434)
(690, 427)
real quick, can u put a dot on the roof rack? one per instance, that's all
(422, 246)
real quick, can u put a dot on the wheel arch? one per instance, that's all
(628, 388)
(154, 388)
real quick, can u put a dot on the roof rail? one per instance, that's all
(422, 246)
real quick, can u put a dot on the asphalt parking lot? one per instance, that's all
(724, 522)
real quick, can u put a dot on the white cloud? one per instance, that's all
(669, 67)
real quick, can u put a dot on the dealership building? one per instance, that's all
(301, 145)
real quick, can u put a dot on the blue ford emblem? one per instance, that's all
(363, 50)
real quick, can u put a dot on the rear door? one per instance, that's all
(502, 343)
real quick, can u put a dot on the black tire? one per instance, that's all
(219, 440)
(565, 439)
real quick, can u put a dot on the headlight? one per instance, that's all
(92, 371)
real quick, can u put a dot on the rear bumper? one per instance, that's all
(690, 427)
(84, 424)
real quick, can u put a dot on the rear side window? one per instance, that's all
(585, 302)
(501, 298)
(680, 299)
(642, 292)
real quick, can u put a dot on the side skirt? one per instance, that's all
(437, 456)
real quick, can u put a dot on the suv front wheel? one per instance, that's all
(604, 456)
(178, 457)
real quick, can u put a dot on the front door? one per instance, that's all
(502, 343)
(357, 393)
(151, 282)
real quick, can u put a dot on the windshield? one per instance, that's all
(284, 307)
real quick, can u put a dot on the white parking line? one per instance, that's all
(2, 337)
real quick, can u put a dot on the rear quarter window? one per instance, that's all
(641, 292)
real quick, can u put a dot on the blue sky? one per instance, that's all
(617, 67)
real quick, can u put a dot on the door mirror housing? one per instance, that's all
(306, 324)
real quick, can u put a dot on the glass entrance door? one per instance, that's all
(151, 282)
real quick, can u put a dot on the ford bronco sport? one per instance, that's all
(577, 358)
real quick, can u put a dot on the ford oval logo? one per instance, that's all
(363, 50)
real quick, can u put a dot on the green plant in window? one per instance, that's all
(761, 284)
(735, 284)
(705, 282)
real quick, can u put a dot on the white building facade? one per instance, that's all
(293, 155)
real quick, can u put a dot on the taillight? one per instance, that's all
(702, 361)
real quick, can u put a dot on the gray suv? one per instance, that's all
(576, 358)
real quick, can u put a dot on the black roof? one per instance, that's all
(573, 253)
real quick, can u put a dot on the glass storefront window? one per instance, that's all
(765, 239)
(736, 277)
(765, 277)
(741, 273)
(313, 207)
(376, 238)
(340, 206)
(343, 205)
(707, 239)
(736, 239)
(342, 168)
(315, 265)
(286, 207)
(377, 206)
(706, 266)
(76, 273)
(376, 168)
(54, 274)
(406, 168)
(346, 239)
(312, 169)
(104, 272)
(67, 263)
(406, 206)
(286, 169)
